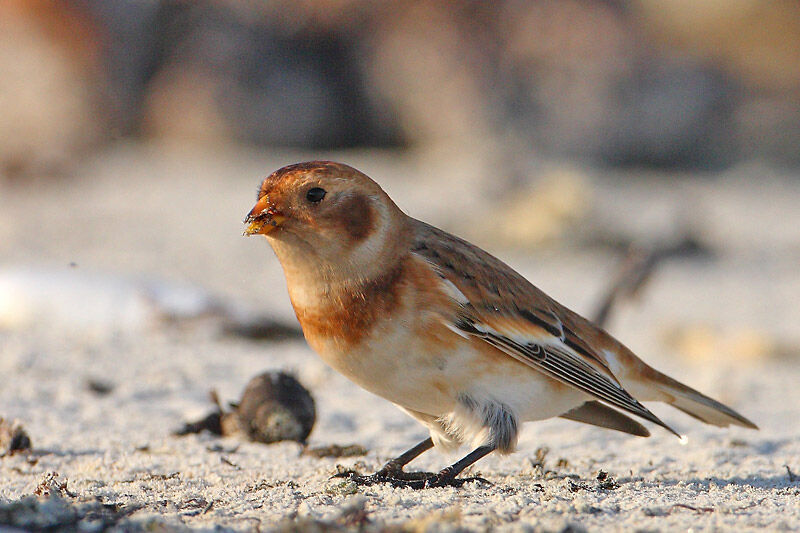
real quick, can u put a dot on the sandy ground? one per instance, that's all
(726, 324)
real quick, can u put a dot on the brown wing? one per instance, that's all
(494, 288)
(499, 306)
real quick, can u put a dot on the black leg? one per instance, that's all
(447, 476)
(396, 465)
(392, 471)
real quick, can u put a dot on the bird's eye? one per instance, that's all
(315, 194)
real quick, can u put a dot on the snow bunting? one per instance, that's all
(444, 330)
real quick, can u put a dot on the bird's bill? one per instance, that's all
(262, 219)
(264, 225)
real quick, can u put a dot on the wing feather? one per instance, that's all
(563, 366)
(597, 414)
(494, 303)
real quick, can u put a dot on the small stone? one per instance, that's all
(606, 482)
(343, 488)
(99, 387)
(13, 438)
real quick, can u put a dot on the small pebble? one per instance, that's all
(13, 438)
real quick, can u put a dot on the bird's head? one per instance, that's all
(324, 211)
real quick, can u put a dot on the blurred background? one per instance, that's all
(676, 84)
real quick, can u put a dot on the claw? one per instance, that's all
(408, 480)
(457, 482)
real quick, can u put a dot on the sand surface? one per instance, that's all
(726, 324)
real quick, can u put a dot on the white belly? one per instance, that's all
(447, 382)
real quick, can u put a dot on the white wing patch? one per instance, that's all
(451, 290)
(448, 287)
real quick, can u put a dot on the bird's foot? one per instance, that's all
(435, 480)
(443, 480)
(410, 480)
(395, 477)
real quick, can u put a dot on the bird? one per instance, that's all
(444, 330)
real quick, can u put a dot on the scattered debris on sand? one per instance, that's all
(54, 513)
(53, 485)
(335, 450)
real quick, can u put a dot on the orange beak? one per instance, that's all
(263, 218)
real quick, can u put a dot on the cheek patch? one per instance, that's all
(357, 218)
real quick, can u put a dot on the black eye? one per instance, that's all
(315, 195)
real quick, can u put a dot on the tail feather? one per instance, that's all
(697, 404)
(597, 414)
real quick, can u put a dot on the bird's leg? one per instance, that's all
(393, 470)
(447, 476)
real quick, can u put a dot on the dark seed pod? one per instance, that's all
(275, 407)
